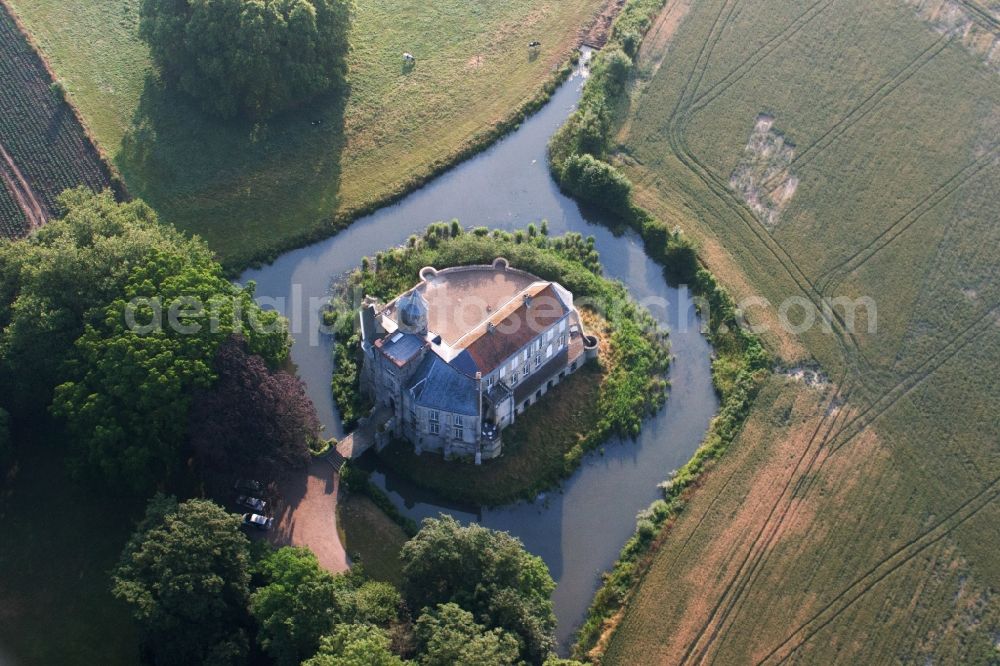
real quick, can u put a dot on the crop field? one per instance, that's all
(824, 149)
(249, 190)
(43, 149)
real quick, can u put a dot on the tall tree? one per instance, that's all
(449, 635)
(130, 389)
(61, 278)
(255, 57)
(253, 421)
(487, 573)
(355, 645)
(67, 319)
(300, 603)
(185, 573)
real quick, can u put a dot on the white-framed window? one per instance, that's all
(526, 370)
(435, 427)
(434, 417)
(489, 382)
(459, 428)
(513, 378)
(562, 340)
(538, 360)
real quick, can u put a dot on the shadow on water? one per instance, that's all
(578, 529)
(191, 166)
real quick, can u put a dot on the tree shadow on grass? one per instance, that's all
(248, 188)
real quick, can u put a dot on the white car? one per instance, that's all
(258, 505)
(258, 521)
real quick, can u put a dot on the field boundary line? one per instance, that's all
(111, 171)
(769, 528)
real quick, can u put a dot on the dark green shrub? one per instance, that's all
(595, 182)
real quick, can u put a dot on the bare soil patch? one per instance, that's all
(597, 33)
(22, 191)
(763, 177)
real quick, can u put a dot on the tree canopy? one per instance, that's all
(101, 305)
(253, 420)
(61, 278)
(355, 645)
(254, 57)
(185, 574)
(486, 573)
(449, 635)
(302, 602)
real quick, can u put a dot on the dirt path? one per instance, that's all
(19, 188)
(597, 33)
(308, 516)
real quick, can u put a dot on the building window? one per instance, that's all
(527, 369)
(513, 379)
(459, 428)
(435, 428)
(435, 422)
(538, 360)
(489, 382)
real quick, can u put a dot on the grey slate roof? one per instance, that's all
(401, 347)
(437, 385)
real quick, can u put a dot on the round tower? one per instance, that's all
(412, 310)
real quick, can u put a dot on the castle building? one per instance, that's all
(460, 355)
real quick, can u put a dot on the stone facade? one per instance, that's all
(461, 354)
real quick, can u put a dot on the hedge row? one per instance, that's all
(741, 364)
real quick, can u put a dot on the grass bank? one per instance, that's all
(371, 538)
(253, 191)
(540, 452)
(849, 522)
(579, 154)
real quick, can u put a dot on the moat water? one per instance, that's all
(579, 528)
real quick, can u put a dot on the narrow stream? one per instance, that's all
(580, 528)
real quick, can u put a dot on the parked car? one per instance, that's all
(249, 486)
(256, 520)
(250, 502)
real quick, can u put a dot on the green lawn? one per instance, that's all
(371, 537)
(875, 537)
(252, 190)
(59, 542)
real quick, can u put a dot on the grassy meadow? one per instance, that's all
(251, 190)
(856, 521)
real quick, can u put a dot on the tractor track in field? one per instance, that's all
(27, 200)
(831, 443)
(835, 437)
(883, 569)
(808, 153)
(835, 274)
(675, 132)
